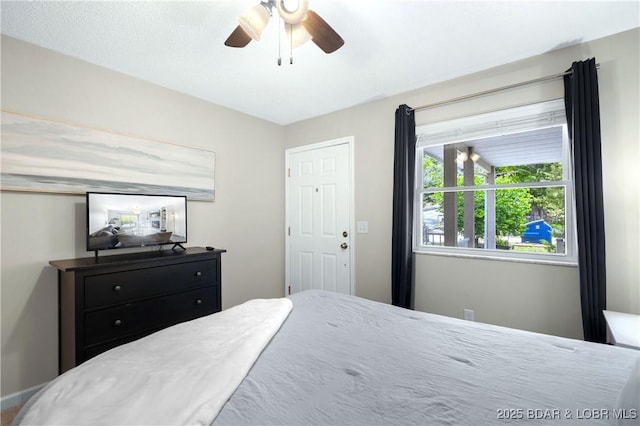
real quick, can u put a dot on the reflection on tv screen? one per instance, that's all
(133, 220)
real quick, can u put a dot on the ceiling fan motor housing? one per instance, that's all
(293, 16)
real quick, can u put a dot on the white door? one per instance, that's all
(319, 215)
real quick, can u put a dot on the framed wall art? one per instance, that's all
(41, 155)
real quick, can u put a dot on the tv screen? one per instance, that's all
(135, 220)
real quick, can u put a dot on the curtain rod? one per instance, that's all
(499, 89)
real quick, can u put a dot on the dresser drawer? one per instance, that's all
(121, 287)
(94, 350)
(135, 318)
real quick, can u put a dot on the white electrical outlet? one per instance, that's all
(468, 314)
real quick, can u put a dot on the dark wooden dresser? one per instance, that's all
(110, 300)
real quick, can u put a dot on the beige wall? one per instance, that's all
(530, 296)
(246, 218)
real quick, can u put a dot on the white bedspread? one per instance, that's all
(343, 360)
(180, 375)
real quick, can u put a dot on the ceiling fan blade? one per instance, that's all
(238, 38)
(321, 33)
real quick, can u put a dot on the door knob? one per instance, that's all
(344, 246)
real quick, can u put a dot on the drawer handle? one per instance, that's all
(117, 288)
(117, 323)
(198, 274)
(199, 302)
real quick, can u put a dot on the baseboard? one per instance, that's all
(19, 398)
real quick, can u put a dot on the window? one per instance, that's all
(128, 221)
(496, 184)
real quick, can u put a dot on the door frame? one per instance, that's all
(349, 141)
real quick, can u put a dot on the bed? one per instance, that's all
(321, 358)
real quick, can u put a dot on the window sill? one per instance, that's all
(496, 256)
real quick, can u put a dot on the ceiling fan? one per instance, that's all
(301, 25)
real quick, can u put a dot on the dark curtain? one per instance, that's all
(583, 119)
(403, 193)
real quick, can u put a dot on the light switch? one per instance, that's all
(363, 227)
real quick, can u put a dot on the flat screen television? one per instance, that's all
(116, 221)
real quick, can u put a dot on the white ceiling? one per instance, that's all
(391, 46)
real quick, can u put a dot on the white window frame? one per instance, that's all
(513, 120)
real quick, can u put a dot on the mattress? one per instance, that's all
(342, 360)
(345, 360)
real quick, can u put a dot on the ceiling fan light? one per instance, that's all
(297, 34)
(254, 21)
